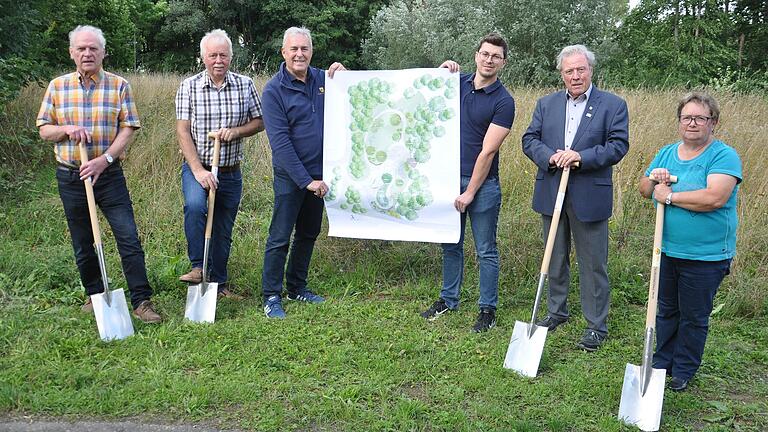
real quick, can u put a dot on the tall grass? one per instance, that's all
(153, 161)
(364, 360)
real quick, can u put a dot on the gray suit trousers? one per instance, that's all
(591, 241)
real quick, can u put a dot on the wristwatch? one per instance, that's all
(109, 158)
(668, 201)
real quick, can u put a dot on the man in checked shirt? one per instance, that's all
(214, 100)
(97, 107)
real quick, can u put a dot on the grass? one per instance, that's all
(364, 360)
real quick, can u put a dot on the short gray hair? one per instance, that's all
(215, 34)
(703, 99)
(297, 31)
(90, 29)
(573, 50)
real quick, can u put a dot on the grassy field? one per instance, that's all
(364, 360)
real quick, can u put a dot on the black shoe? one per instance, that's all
(485, 321)
(677, 384)
(438, 308)
(591, 341)
(551, 323)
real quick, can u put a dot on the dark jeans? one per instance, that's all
(293, 208)
(686, 291)
(111, 194)
(225, 208)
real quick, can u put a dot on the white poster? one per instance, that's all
(391, 154)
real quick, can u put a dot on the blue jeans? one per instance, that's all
(686, 291)
(111, 194)
(224, 212)
(484, 215)
(293, 208)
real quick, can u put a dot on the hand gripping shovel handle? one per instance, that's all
(544, 272)
(212, 191)
(653, 294)
(211, 202)
(653, 286)
(95, 224)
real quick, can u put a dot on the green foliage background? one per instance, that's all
(659, 43)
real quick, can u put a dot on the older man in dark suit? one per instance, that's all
(585, 125)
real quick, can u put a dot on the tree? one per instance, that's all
(751, 18)
(17, 30)
(538, 29)
(677, 42)
(424, 33)
(534, 29)
(256, 28)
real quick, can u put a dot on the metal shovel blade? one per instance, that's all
(112, 316)
(643, 411)
(201, 303)
(524, 351)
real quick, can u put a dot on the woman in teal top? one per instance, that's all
(699, 237)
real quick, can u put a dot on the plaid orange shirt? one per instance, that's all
(103, 105)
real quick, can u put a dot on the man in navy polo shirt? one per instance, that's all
(487, 113)
(293, 117)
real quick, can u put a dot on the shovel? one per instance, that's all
(109, 307)
(527, 342)
(201, 298)
(642, 393)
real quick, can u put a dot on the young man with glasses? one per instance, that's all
(586, 125)
(487, 113)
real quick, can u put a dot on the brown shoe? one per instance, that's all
(146, 313)
(226, 293)
(87, 307)
(195, 276)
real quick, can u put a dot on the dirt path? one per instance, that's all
(53, 425)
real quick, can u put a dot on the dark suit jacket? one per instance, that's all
(602, 139)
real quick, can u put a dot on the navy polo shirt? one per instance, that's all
(480, 108)
(293, 118)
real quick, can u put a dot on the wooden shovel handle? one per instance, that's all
(555, 220)
(91, 199)
(212, 191)
(653, 286)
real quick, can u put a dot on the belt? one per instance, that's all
(70, 167)
(225, 169)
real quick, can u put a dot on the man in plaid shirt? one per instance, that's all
(96, 107)
(214, 100)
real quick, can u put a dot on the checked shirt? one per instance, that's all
(103, 105)
(209, 109)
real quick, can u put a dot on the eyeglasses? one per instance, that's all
(495, 58)
(699, 120)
